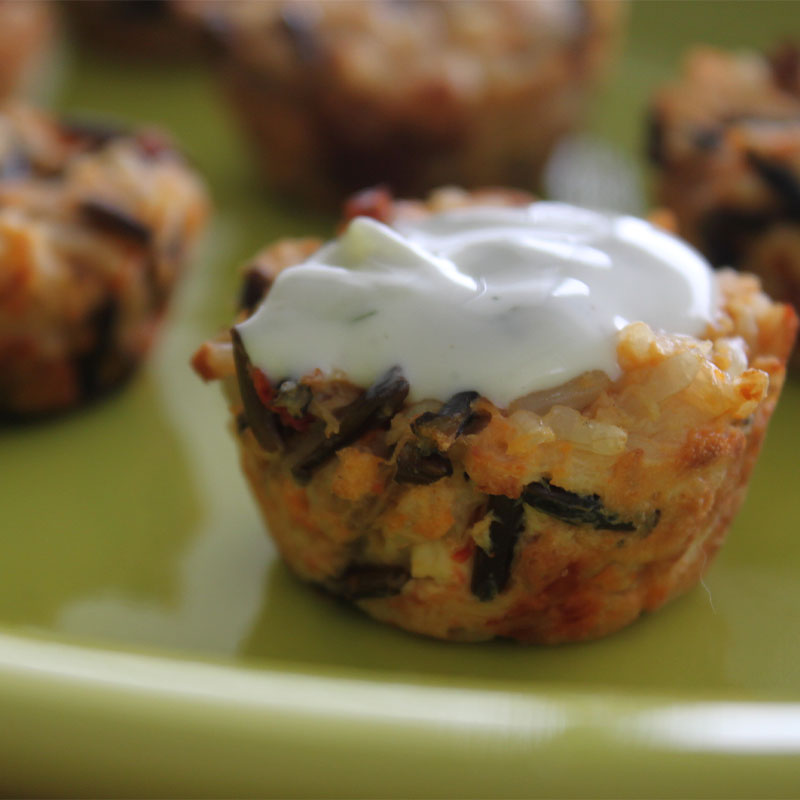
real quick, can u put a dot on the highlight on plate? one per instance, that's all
(480, 416)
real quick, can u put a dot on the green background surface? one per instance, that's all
(152, 644)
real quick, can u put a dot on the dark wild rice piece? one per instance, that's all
(415, 466)
(780, 178)
(254, 289)
(707, 139)
(260, 419)
(93, 133)
(90, 365)
(375, 407)
(579, 509)
(423, 461)
(362, 581)
(491, 571)
(449, 422)
(110, 219)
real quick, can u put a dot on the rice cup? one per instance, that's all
(96, 225)
(336, 96)
(724, 140)
(558, 518)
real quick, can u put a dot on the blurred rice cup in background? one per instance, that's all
(725, 143)
(479, 416)
(96, 224)
(337, 96)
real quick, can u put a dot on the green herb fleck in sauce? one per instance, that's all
(365, 315)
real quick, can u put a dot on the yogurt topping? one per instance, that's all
(502, 300)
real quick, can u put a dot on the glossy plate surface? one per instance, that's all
(152, 644)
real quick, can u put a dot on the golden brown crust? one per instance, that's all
(560, 518)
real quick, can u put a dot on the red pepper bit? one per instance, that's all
(464, 553)
(266, 394)
(262, 386)
(299, 424)
(153, 143)
(376, 202)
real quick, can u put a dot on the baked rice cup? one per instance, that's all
(562, 517)
(725, 143)
(26, 31)
(95, 227)
(337, 96)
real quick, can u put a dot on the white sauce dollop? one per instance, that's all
(504, 301)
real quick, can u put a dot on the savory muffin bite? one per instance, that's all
(725, 142)
(337, 96)
(95, 226)
(480, 416)
(26, 29)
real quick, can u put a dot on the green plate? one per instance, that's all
(151, 644)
